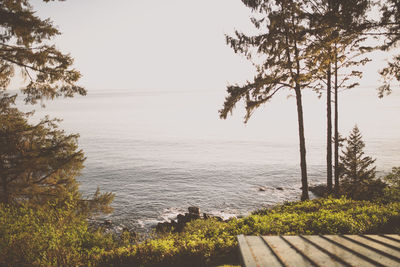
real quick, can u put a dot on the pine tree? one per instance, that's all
(39, 162)
(357, 171)
(356, 166)
(282, 46)
(336, 28)
(389, 27)
(24, 45)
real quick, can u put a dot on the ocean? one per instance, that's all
(163, 151)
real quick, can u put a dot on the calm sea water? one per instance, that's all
(161, 152)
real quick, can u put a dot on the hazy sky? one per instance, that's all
(160, 44)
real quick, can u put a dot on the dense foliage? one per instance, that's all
(40, 162)
(390, 24)
(357, 171)
(48, 236)
(56, 236)
(24, 46)
(392, 190)
(210, 242)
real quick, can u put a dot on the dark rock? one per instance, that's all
(163, 227)
(182, 220)
(194, 210)
(107, 222)
(319, 190)
(192, 216)
(279, 188)
(173, 223)
(206, 216)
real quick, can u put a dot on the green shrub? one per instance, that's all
(210, 242)
(54, 236)
(47, 236)
(392, 191)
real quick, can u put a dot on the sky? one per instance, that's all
(157, 45)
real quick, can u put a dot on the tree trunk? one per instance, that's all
(4, 194)
(329, 132)
(303, 164)
(336, 128)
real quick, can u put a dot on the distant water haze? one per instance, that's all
(162, 151)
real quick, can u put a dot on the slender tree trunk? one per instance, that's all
(336, 189)
(4, 194)
(329, 132)
(303, 164)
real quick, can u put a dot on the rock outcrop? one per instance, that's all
(182, 219)
(319, 190)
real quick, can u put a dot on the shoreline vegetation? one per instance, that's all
(54, 237)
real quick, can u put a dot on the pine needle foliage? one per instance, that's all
(281, 56)
(337, 28)
(39, 162)
(389, 27)
(357, 171)
(356, 166)
(392, 191)
(24, 45)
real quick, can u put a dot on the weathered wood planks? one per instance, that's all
(320, 250)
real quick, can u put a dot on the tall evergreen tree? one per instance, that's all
(337, 28)
(39, 162)
(356, 166)
(348, 55)
(283, 50)
(357, 170)
(390, 25)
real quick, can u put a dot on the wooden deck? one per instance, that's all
(322, 250)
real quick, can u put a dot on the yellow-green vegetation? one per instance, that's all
(210, 242)
(56, 236)
(48, 236)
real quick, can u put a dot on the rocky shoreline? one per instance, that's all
(174, 225)
(177, 225)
